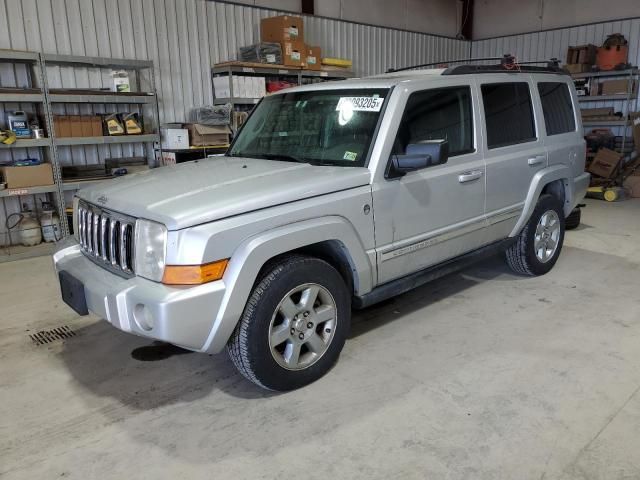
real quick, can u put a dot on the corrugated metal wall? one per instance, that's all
(554, 43)
(186, 37)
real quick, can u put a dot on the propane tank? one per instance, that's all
(50, 223)
(28, 228)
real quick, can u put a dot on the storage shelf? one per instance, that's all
(153, 137)
(20, 252)
(77, 184)
(28, 143)
(22, 97)
(604, 98)
(18, 56)
(100, 62)
(236, 100)
(328, 73)
(610, 73)
(97, 98)
(604, 123)
(14, 192)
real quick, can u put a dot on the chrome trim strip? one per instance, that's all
(96, 243)
(103, 237)
(123, 246)
(89, 232)
(433, 240)
(112, 242)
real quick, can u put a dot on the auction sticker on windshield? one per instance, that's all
(361, 104)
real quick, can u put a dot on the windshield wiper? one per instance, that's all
(276, 156)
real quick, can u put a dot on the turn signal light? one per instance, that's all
(194, 274)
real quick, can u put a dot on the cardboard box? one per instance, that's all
(605, 163)
(280, 29)
(31, 176)
(577, 68)
(202, 135)
(596, 112)
(62, 126)
(313, 58)
(174, 137)
(221, 87)
(293, 54)
(96, 126)
(616, 87)
(85, 121)
(583, 54)
(632, 184)
(76, 125)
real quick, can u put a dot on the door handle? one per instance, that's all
(537, 160)
(469, 176)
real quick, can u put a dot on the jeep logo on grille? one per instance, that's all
(102, 199)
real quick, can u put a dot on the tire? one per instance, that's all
(279, 320)
(522, 256)
(573, 220)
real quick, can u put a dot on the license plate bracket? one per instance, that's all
(72, 291)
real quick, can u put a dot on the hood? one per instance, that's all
(210, 189)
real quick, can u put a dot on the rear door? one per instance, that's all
(563, 139)
(514, 148)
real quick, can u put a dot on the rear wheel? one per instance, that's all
(538, 245)
(573, 220)
(294, 324)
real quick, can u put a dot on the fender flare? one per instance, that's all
(253, 253)
(539, 181)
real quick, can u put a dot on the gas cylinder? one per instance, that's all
(27, 226)
(50, 223)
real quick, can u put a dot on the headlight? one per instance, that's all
(151, 247)
(76, 234)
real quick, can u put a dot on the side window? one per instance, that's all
(437, 114)
(508, 114)
(557, 107)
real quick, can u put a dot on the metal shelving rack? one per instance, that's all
(48, 98)
(257, 69)
(628, 98)
(35, 95)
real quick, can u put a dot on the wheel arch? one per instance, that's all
(333, 239)
(553, 180)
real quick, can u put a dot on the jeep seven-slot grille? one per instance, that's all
(106, 237)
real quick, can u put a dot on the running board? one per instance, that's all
(417, 279)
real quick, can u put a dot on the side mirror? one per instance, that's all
(420, 155)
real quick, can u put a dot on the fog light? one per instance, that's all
(143, 317)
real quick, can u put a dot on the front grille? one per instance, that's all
(106, 237)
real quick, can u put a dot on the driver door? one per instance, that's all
(428, 216)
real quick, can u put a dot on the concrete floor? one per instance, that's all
(481, 375)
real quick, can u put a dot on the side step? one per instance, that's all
(409, 282)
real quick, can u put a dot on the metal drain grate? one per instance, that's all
(47, 336)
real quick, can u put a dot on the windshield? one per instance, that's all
(324, 127)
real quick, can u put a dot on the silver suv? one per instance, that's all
(333, 196)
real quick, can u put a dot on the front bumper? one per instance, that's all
(182, 316)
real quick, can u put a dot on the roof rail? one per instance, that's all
(507, 63)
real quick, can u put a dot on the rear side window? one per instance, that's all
(438, 114)
(557, 107)
(508, 114)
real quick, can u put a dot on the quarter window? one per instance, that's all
(508, 114)
(437, 114)
(557, 107)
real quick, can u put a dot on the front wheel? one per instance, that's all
(294, 325)
(538, 245)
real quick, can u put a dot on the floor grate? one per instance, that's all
(47, 336)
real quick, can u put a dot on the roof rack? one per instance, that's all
(508, 63)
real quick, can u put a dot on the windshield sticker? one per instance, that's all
(361, 104)
(283, 134)
(351, 156)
